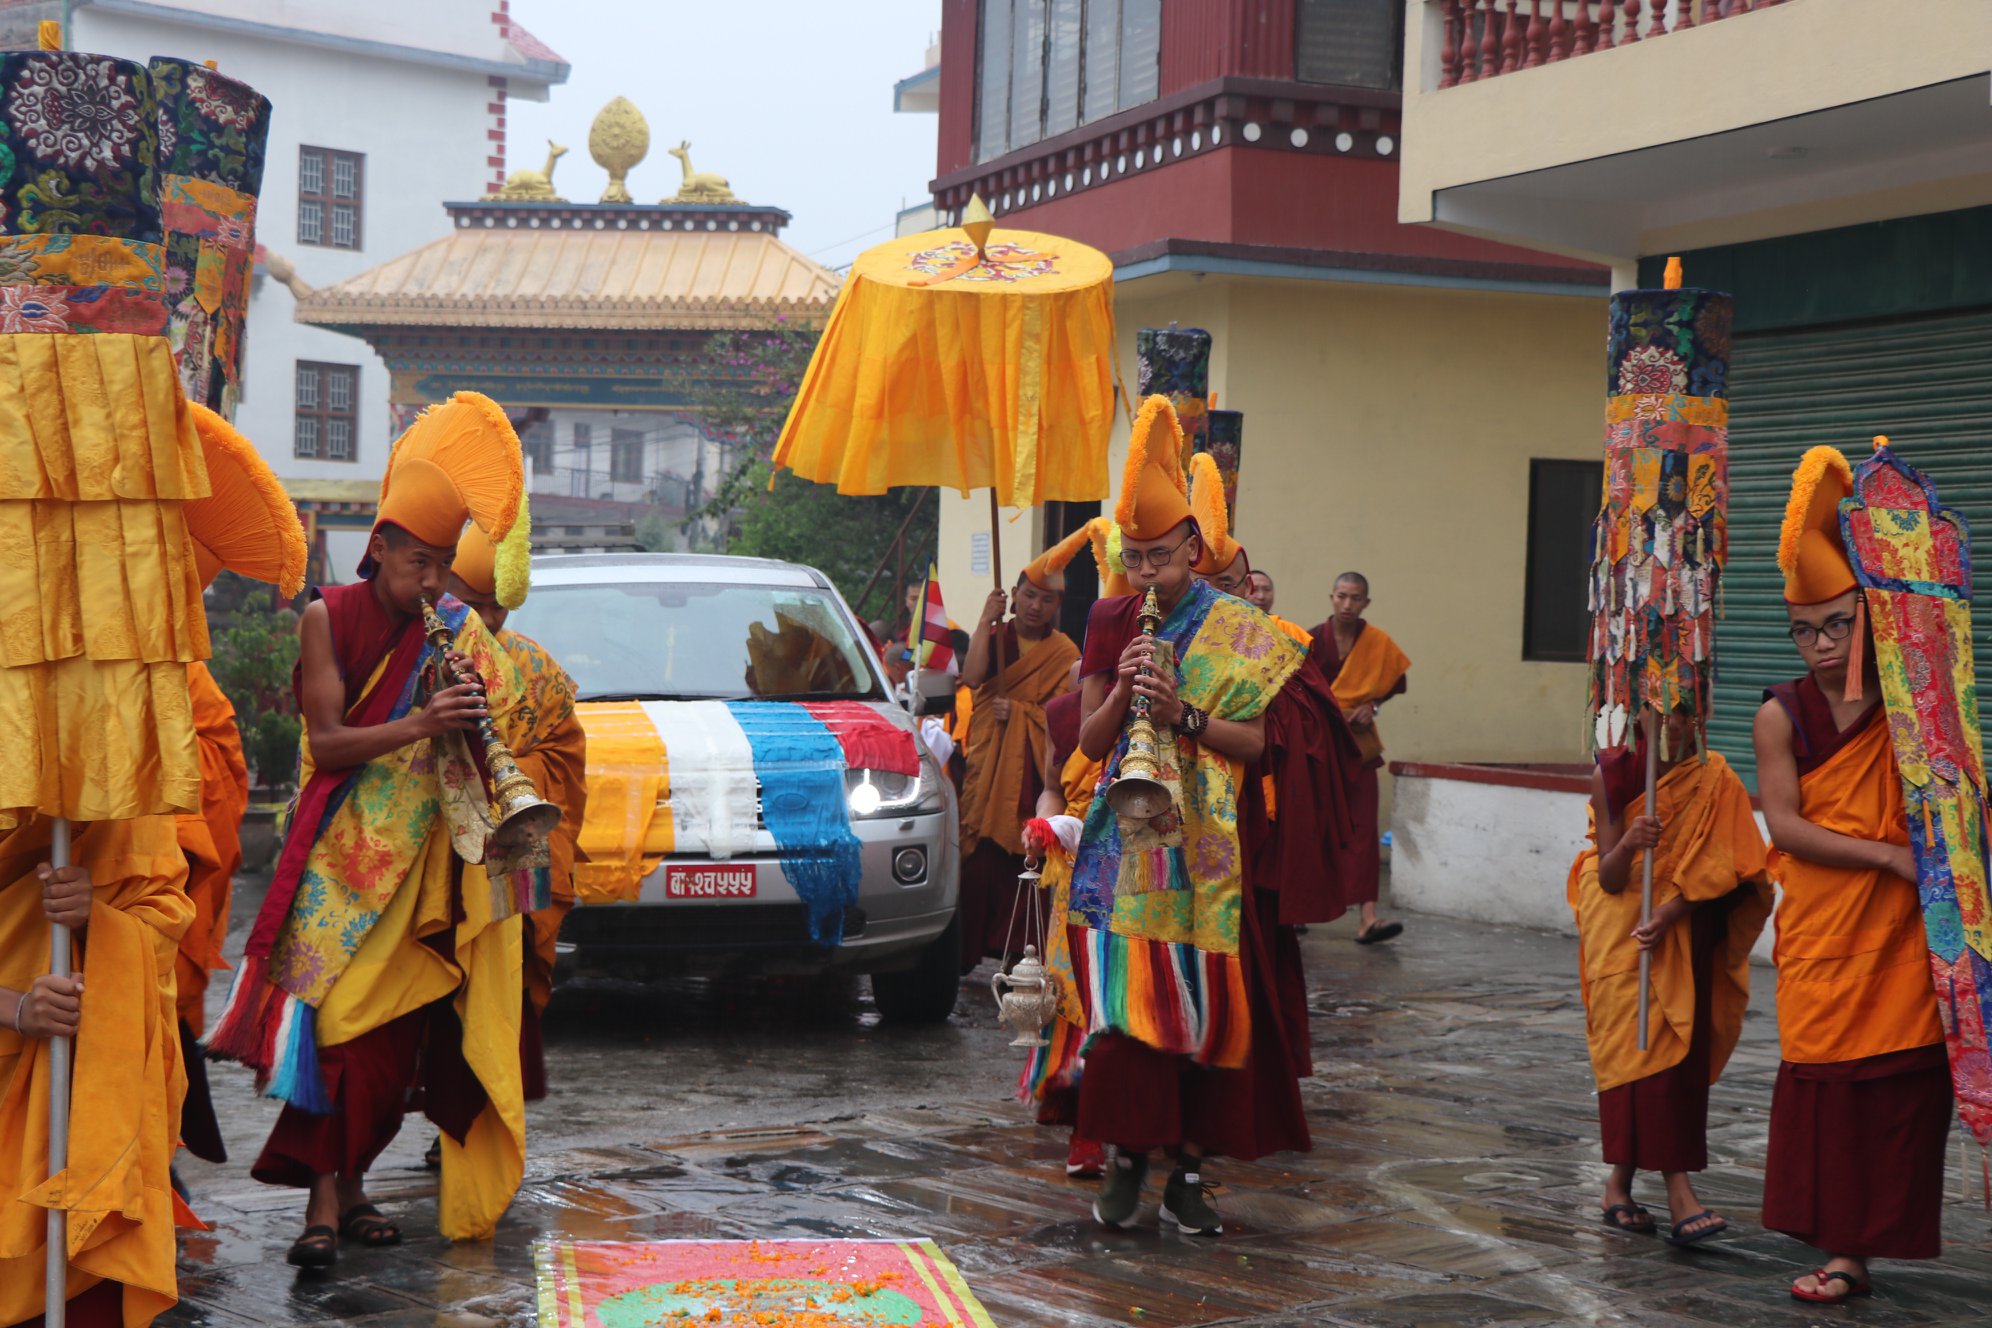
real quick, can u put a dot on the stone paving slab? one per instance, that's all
(1454, 1179)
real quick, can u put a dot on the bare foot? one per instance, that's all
(1692, 1222)
(1619, 1209)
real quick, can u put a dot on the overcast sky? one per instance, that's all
(790, 100)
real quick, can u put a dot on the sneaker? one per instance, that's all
(1186, 1202)
(1120, 1197)
(1085, 1160)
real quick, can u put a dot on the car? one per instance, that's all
(657, 639)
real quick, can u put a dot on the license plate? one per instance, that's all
(708, 882)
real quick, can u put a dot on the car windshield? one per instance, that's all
(680, 641)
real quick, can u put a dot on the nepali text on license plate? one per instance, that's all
(708, 882)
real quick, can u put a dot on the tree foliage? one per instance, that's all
(255, 649)
(744, 384)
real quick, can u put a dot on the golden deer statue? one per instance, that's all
(700, 186)
(535, 186)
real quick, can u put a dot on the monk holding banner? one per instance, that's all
(1710, 902)
(554, 755)
(1862, 1108)
(1013, 668)
(1366, 668)
(383, 944)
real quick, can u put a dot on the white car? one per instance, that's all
(726, 658)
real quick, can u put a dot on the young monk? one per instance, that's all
(380, 953)
(553, 754)
(1710, 901)
(1366, 668)
(1863, 1103)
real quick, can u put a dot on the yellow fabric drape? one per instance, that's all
(212, 842)
(555, 757)
(1001, 378)
(128, 1079)
(1710, 846)
(622, 837)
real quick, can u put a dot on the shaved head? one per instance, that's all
(1356, 579)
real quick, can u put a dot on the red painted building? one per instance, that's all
(1199, 135)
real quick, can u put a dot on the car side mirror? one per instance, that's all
(936, 693)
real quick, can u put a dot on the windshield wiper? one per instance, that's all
(843, 694)
(638, 696)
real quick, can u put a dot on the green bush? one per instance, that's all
(255, 650)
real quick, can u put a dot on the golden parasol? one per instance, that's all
(965, 358)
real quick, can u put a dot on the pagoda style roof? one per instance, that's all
(553, 265)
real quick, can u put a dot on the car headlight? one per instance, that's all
(878, 793)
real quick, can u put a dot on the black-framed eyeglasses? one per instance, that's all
(1836, 628)
(1155, 558)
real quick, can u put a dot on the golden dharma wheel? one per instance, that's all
(618, 140)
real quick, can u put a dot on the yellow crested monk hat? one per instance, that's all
(1213, 519)
(1811, 553)
(1047, 570)
(1105, 537)
(247, 524)
(502, 571)
(1154, 496)
(459, 462)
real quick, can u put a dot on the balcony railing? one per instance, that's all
(1487, 38)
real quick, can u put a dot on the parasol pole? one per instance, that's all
(996, 566)
(1646, 873)
(56, 1285)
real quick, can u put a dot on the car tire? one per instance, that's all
(925, 993)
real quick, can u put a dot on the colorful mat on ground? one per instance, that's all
(1912, 556)
(753, 1284)
(719, 772)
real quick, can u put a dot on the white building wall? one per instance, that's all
(422, 128)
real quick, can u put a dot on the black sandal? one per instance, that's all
(1629, 1218)
(366, 1225)
(1716, 1225)
(318, 1247)
(433, 1159)
(1382, 931)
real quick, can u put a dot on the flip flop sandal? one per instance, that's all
(366, 1225)
(1383, 931)
(1856, 1286)
(433, 1159)
(1675, 1238)
(318, 1247)
(1611, 1218)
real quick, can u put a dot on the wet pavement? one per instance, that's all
(1453, 1180)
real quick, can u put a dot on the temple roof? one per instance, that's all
(595, 271)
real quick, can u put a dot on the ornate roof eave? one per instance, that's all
(359, 317)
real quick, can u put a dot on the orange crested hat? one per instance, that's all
(499, 570)
(1154, 497)
(1047, 570)
(459, 462)
(247, 524)
(1220, 550)
(1811, 553)
(1106, 554)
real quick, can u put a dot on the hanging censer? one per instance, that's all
(1026, 1001)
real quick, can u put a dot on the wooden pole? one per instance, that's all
(996, 566)
(1646, 872)
(56, 1299)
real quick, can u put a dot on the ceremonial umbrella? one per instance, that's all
(1660, 539)
(969, 358)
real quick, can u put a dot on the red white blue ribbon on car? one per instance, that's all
(801, 765)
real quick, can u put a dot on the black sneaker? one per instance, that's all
(1120, 1195)
(1186, 1202)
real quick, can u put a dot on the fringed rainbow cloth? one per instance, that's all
(1157, 908)
(1912, 557)
(1660, 539)
(752, 1284)
(355, 838)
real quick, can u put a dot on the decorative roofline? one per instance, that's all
(512, 214)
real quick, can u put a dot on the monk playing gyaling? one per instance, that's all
(1366, 669)
(380, 947)
(1710, 901)
(1862, 1107)
(553, 754)
(1014, 667)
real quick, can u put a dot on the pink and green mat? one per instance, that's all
(753, 1284)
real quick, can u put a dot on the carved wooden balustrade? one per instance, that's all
(1487, 38)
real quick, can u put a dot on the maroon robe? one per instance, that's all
(1855, 1164)
(1362, 865)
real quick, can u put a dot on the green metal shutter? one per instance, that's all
(1927, 384)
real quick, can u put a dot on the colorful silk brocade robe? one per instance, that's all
(1161, 903)
(1661, 536)
(1709, 849)
(384, 918)
(554, 756)
(128, 1080)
